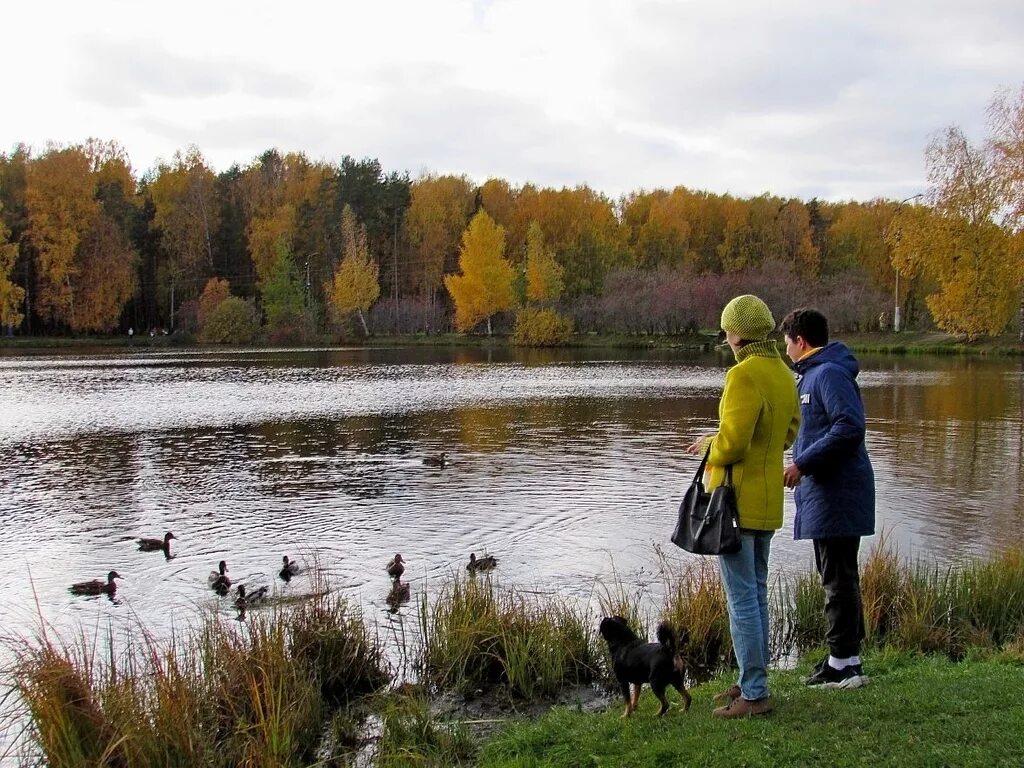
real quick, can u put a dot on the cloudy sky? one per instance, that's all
(833, 99)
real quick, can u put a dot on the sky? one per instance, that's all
(835, 100)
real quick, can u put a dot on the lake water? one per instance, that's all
(568, 466)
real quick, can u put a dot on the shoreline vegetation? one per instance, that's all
(904, 343)
(312, 682)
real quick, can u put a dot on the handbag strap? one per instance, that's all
(703, 463)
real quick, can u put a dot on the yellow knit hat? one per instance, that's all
(748, 317)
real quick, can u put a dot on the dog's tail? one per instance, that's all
(673, 642)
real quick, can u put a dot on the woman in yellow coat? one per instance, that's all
(758, 418)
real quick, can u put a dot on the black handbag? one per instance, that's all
(708, 522)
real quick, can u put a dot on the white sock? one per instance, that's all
(842, 664)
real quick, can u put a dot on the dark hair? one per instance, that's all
(807, 323)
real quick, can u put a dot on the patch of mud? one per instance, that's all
(485, 714)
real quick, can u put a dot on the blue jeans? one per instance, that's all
(745, 576)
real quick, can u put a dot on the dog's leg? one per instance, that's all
(628, 696)
(659, 692)
(635, 701)
(679, 686)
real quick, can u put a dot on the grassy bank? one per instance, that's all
(308, 682)
(917, 711)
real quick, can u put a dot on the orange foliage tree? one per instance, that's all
(85, 261)
(11, 295)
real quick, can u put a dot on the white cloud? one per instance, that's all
(834, 100)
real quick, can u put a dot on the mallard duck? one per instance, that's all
(436, 461)
(248, 600)
(399, 592)
(291, 568)
(157, 545)
(396, 567)
(219, 580)
(96, 586)
(485, 563)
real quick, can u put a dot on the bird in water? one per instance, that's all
(396, 567)
(290, 568)
(485, 563)
(436, 461)
(219, 579)
(96, 586)
(157, 545)
(250, 599)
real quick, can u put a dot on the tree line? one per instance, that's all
(287, 248)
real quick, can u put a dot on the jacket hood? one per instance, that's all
(834, 352)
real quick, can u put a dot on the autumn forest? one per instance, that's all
(286, 249)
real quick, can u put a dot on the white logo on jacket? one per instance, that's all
(805, 399)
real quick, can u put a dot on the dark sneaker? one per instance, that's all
(828, 676)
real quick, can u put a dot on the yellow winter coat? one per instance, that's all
(758, 419)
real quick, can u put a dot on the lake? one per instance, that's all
(567, 465)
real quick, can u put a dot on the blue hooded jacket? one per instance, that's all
(836, 495)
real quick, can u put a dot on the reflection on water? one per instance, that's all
(568, 466)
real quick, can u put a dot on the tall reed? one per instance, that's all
(224, 694)
(477, 636)
(695, 601)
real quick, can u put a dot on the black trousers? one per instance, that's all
(836, 561)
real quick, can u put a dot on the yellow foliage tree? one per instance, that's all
(543, 272)
(485, 285)
(1006, 142)
(356, 282)
(437, 215)
(11, 295)
(962, 246)
(61, 203)
(187, 214)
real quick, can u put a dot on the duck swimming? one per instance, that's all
(255, 597)
(157, 545)
(290, 568)
(219, 580)
(485, 563)
(436, 461)
(396, 567)
(96, 586)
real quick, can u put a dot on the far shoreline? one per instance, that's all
(885, 343)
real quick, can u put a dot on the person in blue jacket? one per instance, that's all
(834, 486)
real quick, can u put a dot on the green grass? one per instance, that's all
(917, 711)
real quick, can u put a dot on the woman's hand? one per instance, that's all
(697, 447)
(791, 477)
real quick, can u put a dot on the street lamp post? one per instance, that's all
(896, 295)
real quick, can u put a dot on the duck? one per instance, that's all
(219, 580)
(290, 568)
(96, 586)
(436, 461)
(255, 597)
(157, 545)
(396, 567)
(485, 563)
(399, 592)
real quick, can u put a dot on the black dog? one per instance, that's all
(635, 662)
